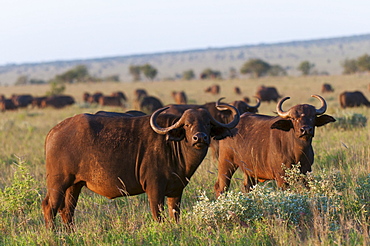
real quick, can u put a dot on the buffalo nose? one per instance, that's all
(307, 130)
(200, 137)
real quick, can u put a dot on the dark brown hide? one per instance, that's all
(113, 101)
(353, 99)
(179, 97)
(6, 104)
(213, 89)
(121, 156)
(325, 88)
(149, 104)
(22, 101)
(261, 144)
(267, 94)
(57, 101)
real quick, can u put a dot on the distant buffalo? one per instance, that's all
(94, 98)
(22, 101)
(57, 101)
(237, 90)
(267, 94)
(6, 104)
(149, 104)
(213, 89)
(353, 99)
(179, 97)
(37, 101)
(326, 88)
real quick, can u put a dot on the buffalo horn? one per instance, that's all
(234, 111)
(161, 130)
(279, 109)
(323, 105)
(256, 106)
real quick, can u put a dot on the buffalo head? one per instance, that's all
(302, 118)
(196, 126)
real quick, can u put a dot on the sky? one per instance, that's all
(50, 30)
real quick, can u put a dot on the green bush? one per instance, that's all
(21, 195)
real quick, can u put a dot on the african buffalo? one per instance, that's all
(37, 101)
(110, 101)
(353, 99)
(59, 101)
(124, 156)
(179, 97)
(213, 89)
(22, 101)
(237, 90)
(261, 144)
(267, 94)
(326, 88)
(6, 104)
(129, 113)
(149, 104)
(94, 98)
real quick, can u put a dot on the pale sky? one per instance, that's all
(49, 30)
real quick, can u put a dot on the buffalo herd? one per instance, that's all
(156, 149)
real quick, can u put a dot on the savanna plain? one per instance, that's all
(334, 211)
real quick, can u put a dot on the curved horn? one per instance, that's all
(233, 110)
(161, 130)
(256, 106)
(279, 110)
(323, 105)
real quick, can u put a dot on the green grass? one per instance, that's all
(271, 217)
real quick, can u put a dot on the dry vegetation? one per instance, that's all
(127, 221)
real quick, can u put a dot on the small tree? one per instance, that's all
(21, 80)
(149, 71)
(188, 74)
(363, 63)
(350, 66)
(256, 67)
(277, 70)
(135, 72)
(305, 67)
(76, 74)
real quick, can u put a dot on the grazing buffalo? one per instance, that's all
(125, 156)
(57, 101)
(179, 97)
(119, 94)
(22, 101)
(353, 99)
(6, 104)
(213, 89)
(139, 94)
(149, 104)
(110, 101)
(94, 98)
(261, 144)
(37, 101)
(237, 90)
(85, 97)
(129, 113)
(326, 88)
(267, 94)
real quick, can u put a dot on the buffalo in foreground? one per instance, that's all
(353, 99)
(122, 156)
(267, 94)
(261, 144)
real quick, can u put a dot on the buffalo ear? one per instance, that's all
(219, 133)
(284, 125)
(323, 120)
(177, 134)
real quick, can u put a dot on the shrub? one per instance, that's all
(21, 195)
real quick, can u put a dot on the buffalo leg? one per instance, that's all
(70, 202)
(226, 170)
(174, 207)
(51, 204)
(156, 202)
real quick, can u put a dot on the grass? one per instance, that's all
(341, 177)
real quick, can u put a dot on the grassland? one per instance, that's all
(127, 221)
